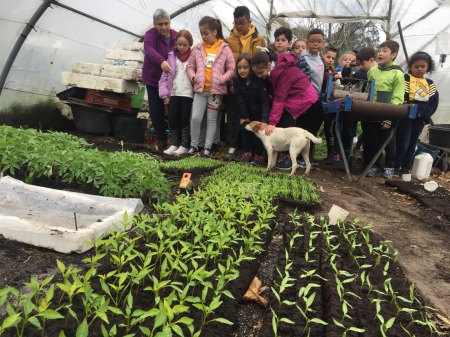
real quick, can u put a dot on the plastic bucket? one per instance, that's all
(130, 129)
(384, 96)
(423, 148)
(91, 120)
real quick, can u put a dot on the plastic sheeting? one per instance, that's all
(62, 37)
(44, 217)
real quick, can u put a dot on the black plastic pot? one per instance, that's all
(91, 120)
(440, 135)
(130, 129)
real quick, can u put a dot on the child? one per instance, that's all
(298, 47)
(211, 56)
(254, 104)
(283, 39)
(329, 55)
(347, 58)
(312, 64)
(365, 59)
(176, 90)
(291, 90)
(244, 38)
(389, 77)
(421, 91)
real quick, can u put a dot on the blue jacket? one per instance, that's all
(425, 109)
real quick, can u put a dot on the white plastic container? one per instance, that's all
(422, 166)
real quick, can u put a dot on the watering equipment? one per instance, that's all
(422, 166)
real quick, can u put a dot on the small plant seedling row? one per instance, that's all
(171, 274)
(31, 154)
(297, 189)
(341, 281)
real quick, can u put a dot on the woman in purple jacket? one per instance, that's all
(158, 42)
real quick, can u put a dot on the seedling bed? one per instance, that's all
(439, 200)
(313, 272)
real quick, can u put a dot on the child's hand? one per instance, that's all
(385, 126)
(263, 126)
(165, 66)
(166, 101)
(338, 76)
(269, 129)
(242, 121)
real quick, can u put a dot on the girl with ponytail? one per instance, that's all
(211, 65)
(290, 89)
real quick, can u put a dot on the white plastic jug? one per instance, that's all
(422, 166)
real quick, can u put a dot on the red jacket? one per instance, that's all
(291, 89)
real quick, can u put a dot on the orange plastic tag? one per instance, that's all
(185, 179)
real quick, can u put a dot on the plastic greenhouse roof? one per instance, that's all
(61, 37)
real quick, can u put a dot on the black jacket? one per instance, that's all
(358, 75)
(253, 100)
(425, 109)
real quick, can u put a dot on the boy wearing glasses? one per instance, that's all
(244, 38)
(312, 64)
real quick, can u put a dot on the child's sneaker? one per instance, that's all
(404, 171)
(284, 162)
(337, 157)
(246, 158)
(301, 163)
(171, 150)
(396, 172)
(257, 161)
(193, 151)
(181, 151)
(231, 156)
(330, 158)
(388, 173)
(373, 171)
(207, 153)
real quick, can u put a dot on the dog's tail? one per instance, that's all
(312, 138)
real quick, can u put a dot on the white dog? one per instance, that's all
(296, 140)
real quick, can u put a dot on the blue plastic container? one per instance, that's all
(421, 147)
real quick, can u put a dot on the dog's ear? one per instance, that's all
(255, 126)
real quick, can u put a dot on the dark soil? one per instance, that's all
(419, 233)
(326, 304)
(439, 200)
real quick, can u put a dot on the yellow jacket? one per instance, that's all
(236, 45)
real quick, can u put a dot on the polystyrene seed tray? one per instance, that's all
(44, 217)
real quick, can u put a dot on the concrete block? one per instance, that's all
(123, 63)
(124, 73)
(99, 83)
(127, 55)
(131, 46)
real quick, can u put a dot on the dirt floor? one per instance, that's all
(420, 234)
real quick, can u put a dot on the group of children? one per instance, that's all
(282, 87)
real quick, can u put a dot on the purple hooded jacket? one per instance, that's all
(156, 51)
(291, 89)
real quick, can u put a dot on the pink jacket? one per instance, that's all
(291, 89)
(165, 84)
(222, 70)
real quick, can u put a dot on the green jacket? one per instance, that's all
(389, 79)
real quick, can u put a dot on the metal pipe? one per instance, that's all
(181, 11)
(187, 7)
(20, 40)
(403, 41)
(388, 34)
(94, 18)
(269, 24)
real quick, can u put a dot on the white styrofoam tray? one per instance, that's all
(99, 83)
(103, 70)
(44, 217)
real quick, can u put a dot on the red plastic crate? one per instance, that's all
(106, 99)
